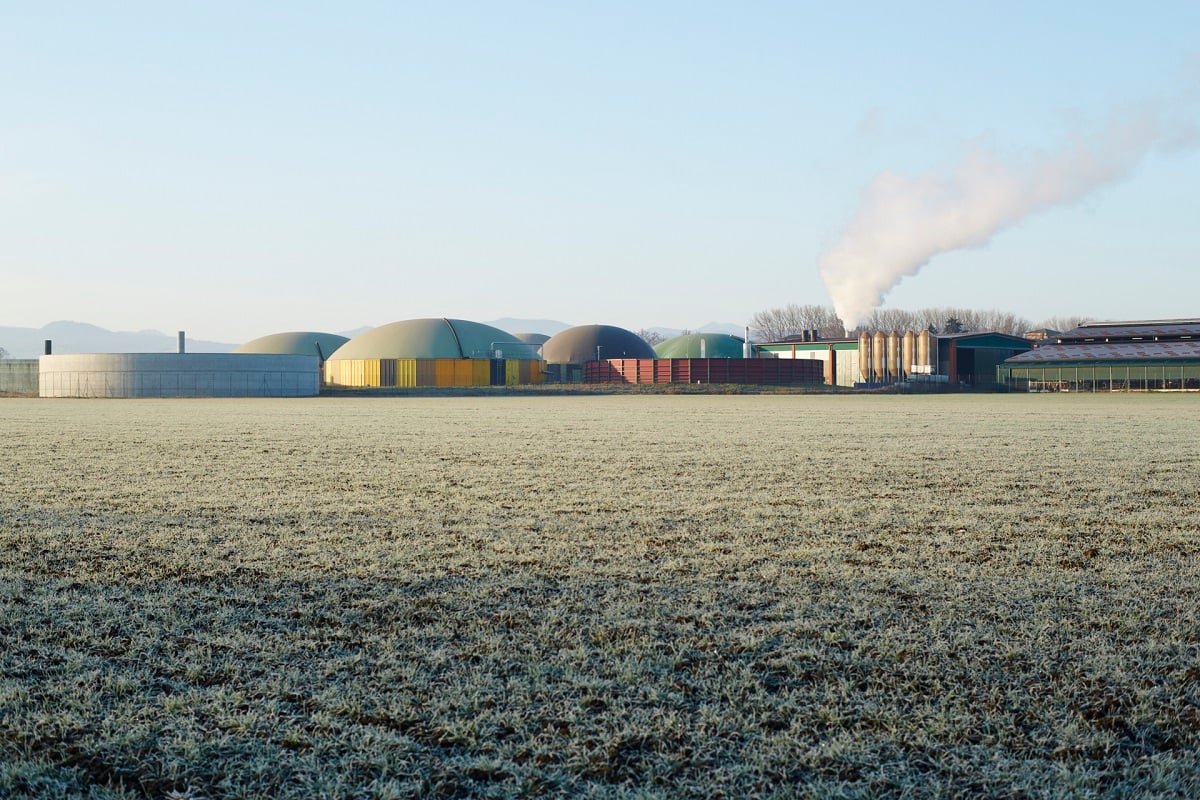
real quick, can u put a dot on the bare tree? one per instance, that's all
(1064, 323)
(652, 338)
(3, 353)
(776, 324)
(935, 319)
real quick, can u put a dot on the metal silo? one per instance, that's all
(893, 356)
(909, 352)
(878, 354)
(923, 351)
(864, 356)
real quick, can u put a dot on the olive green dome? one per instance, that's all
(295, 343)
(579, 344)
(716, 345)
(434, 338)
(537, 339)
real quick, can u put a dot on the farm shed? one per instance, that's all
(433, 352)
(702, 345)
(566, 352)
(1153, 355)
(971, 359)
(840, 356)
(178, 375)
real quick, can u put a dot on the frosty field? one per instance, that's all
(676, 596)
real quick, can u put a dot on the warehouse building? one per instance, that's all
(433, 352)
(1137, 356)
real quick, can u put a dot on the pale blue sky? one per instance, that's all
(236, 169)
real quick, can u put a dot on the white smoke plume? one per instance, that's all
(904, 220)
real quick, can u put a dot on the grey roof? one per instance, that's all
(1111, 351)
(1127, 330)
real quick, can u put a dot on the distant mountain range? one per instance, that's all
(82, 337)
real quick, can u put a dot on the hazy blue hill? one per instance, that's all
(81, 337)
(515, 325)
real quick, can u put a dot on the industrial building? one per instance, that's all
(888, 357)
(433, 352)
(1140, 356)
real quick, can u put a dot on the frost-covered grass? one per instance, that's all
(685, 596)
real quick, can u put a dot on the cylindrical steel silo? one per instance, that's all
(893, 356)
(879, 354)
(908, 353)
(864, 356)
(923, 350)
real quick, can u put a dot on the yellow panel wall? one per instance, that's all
(406, 372)
(444, 369)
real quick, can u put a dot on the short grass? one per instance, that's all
(739, 596)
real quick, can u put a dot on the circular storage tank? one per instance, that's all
(433, 338)
(295, 343)
(579, 344)
(715, 345)
(537, 339)
(178, 375)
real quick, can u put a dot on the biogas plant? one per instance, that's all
(1148, 355)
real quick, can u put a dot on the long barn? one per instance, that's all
(1138, 356)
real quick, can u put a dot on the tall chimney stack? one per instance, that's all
(181, 341)
(48, 347)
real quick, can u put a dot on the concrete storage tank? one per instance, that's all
(178, 375)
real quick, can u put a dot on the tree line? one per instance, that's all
(776, 324)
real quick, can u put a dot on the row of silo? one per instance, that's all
(893, 356)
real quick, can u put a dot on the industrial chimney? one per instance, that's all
(181, 341)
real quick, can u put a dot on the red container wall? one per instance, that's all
(756, 371)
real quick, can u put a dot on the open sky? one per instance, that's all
(235, 169)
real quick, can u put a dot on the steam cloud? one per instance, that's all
(906, 220)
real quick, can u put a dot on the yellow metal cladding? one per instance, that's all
(414, 372)
(406, 372)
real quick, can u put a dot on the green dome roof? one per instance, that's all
(295, 343)
(434, 338)
(577, 345)
(716, 345)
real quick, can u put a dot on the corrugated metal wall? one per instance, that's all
(750, 371)
(413, 372)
